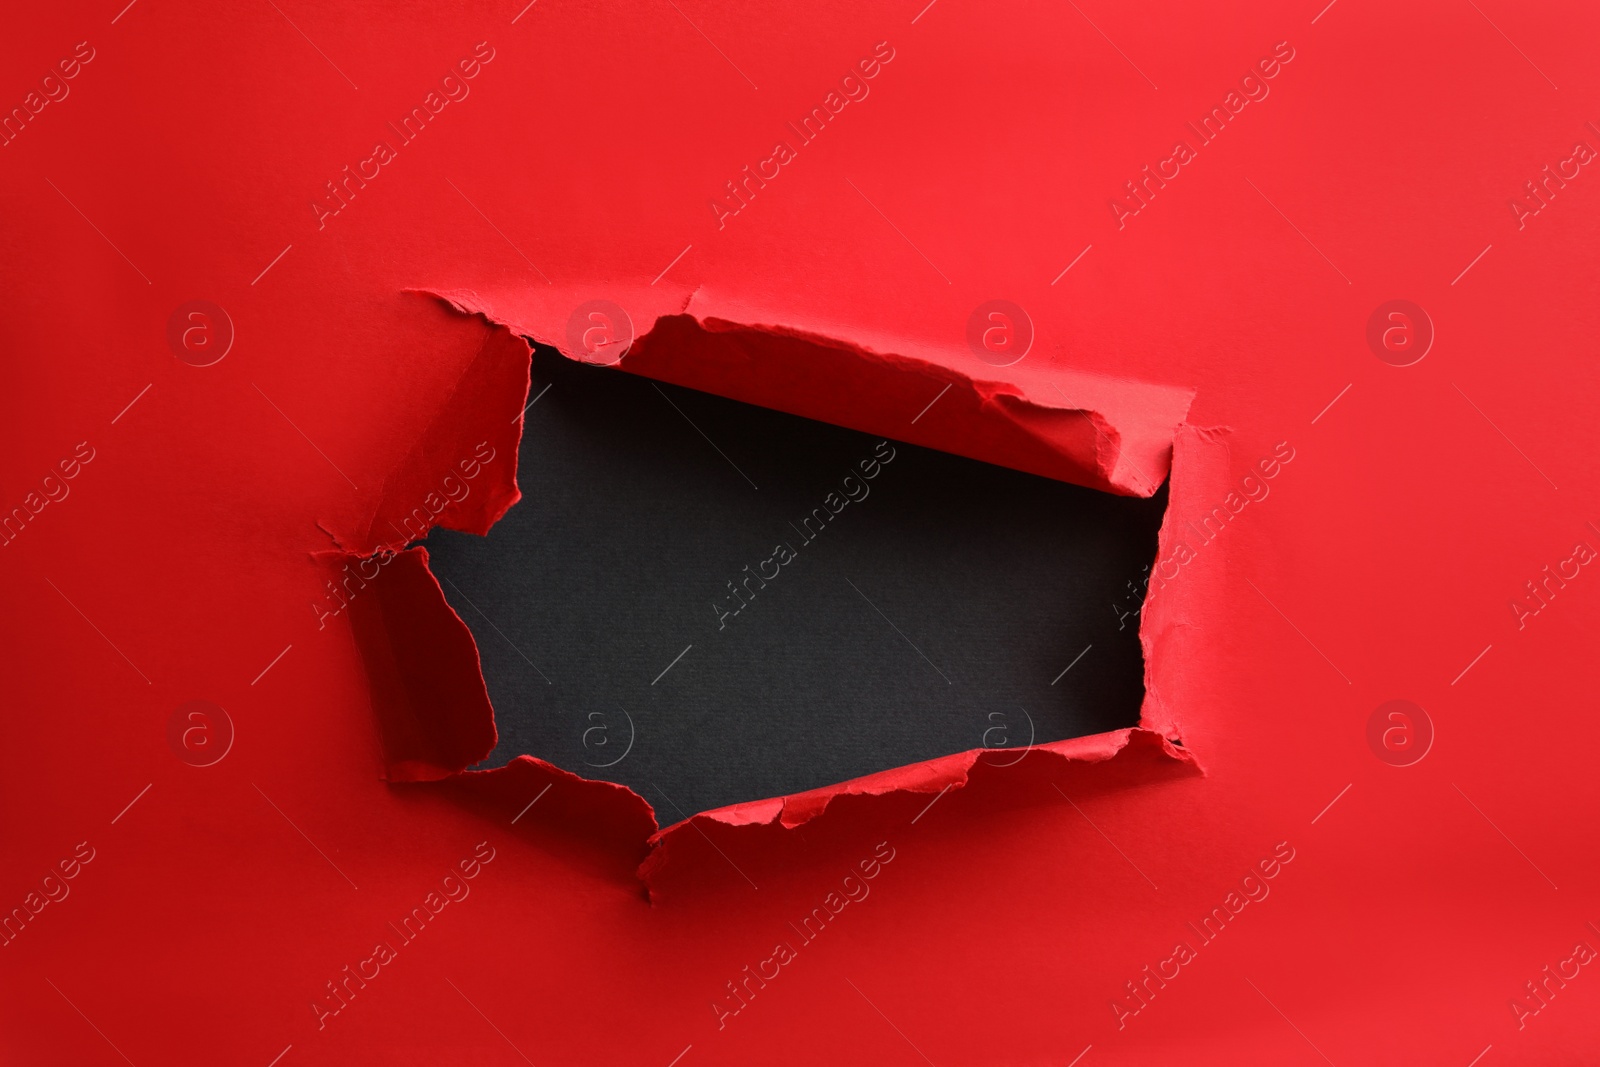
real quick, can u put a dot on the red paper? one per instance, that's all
(270, 271)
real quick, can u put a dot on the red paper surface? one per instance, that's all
(188, 881)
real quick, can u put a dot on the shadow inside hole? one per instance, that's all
(712, 602)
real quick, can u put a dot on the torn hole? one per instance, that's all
(746, 604)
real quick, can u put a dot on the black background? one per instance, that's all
(632, 523)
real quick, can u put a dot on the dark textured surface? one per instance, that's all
(926, 618)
